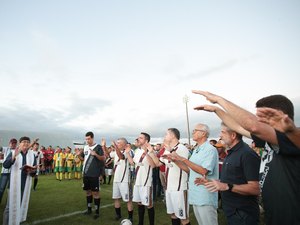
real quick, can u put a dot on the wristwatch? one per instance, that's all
(230, 186)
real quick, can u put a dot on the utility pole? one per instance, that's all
(185, 100)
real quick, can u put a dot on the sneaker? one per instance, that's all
(96, 216)
(87, 212)
(118, 217)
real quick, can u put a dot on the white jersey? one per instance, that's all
(39, 156)
(177, 178)
(5, 151)
(143, 169)
(121, 169)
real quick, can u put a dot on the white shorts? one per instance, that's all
(108, 172)
(177, 203)
(121, 190)
(143, 195)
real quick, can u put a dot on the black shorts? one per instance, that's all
(91, 183)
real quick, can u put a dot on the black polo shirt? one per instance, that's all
(240, 166)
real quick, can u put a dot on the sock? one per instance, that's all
(60, 176)
(151, 216)
(104, 179)
(141, 212)
(79, 175)
(130, 215)
(109, 179)
(70, 176)
(66, 175)
(97, 204)
(89, 200)
(57, 176)
(35, 181)
(176, 221)
(118, 211)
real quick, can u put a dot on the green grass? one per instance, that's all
(54, 198)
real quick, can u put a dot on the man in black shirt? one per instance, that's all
(239, 181)
(93, 167)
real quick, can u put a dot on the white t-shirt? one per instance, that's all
(143, 169)
(121, 169)
(177, 178)
(38, 155)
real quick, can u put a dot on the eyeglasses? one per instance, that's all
(195, 130)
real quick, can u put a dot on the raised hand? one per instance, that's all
(103, 142)
(208, 108)
(209, 96)
(275, 118)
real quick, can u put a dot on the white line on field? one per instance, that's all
(63, 216)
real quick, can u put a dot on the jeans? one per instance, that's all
(4, 179)
(242, 218)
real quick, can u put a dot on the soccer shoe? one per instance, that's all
(96, 216)
(87, 212)
(118, 217)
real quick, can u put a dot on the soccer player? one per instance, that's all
(78, 165)
(58, 161)
(93, 167)
(176, 176)
(121, 184)
(69, 157)
(40, 162)
(142, 190)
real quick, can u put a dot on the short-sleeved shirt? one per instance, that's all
(280, 181)
(93, 167)
(240, 166)
(143, 169)
(5, 151)
(121, 169)
(205, 156)
(176, 178)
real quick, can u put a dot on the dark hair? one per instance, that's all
(279, 102)
(36, 143)
(213, 141)
(147, 136)
(13, 141)
(175, 132)
(89, 134)
(24, 139)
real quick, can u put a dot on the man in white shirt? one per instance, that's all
(121, 182)
(142, 190)
(176, 177)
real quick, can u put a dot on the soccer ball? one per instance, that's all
(126, 222)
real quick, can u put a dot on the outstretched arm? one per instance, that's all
(227, 119)
(243, 117)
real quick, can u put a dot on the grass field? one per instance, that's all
(62, 202)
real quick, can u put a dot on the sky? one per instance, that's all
(121, 67)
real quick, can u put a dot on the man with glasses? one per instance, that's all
(203, 165)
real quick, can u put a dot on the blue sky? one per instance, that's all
(121, 67)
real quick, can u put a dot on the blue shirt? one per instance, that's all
(206, 156)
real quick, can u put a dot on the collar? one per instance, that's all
(236, 147)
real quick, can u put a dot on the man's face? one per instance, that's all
(121, 144)
(198, 133)
(35, 147)
(24, 145)
(13, 145)
(168, 137)
(89, 140)
(225, 136)
(141, 140)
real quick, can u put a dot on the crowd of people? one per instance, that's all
(226, 171)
